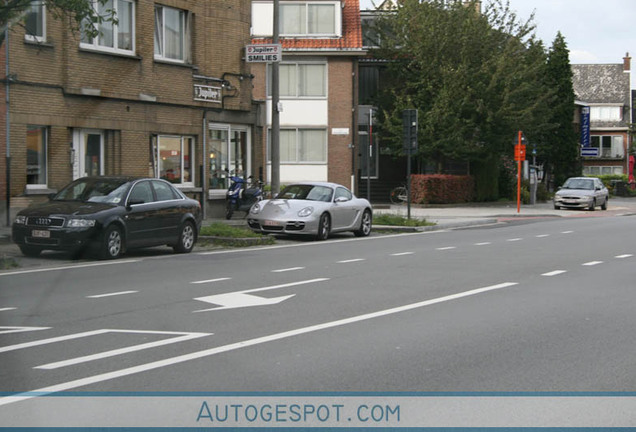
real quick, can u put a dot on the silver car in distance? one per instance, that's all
(312, 208)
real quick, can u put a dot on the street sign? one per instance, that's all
(263, 53)
(589, 151)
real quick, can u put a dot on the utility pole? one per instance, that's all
(275, 136)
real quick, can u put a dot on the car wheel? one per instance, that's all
(30, 251)
(604, 206)
(592, 205)
(112, 243)
(324, 227)
(365, 225)
(187, 238)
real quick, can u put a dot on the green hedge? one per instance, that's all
(442, 189)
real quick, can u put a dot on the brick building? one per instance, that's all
(164, 92)
(604, 92)
(321, 43)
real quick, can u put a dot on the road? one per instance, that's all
(528, 307)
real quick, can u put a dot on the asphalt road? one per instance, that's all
(534, 307)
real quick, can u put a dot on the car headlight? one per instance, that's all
(20, 220)
(80, 223)
(306, 212)
(256, 209)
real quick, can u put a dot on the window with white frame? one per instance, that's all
(36, 146)
(117, 36)
(35, 22)
(610, 146)
(302, 145)
(602, 170)
(309, 18)
(606, 113)
(174, 156)
(300, 80)
(172, 34)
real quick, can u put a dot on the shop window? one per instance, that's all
(174, 158)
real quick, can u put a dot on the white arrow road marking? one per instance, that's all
(242, 344)
(240, 299)
(7, 330)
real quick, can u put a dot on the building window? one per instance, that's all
(35, 22)
(36, 145)
(610, 146)
(174, 157)
(606, 113)
(308, 19)
(116, 37)
(302, 146)
(602, 170)
(301, 80)
(172, 34)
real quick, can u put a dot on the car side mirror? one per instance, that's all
(341, 199)
(134, 201)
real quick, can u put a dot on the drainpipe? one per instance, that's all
(204, 163)
(8, 120)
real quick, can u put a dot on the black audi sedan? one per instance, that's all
(109, 215)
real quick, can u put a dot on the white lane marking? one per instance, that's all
(111, 294)
(567, 232)
(592, 263)
(288, 269)
(6, 309)
(446, 248)
(116, 352)
(7, 330)
(243, 344)
(514, 239)
(211, 280)
(624, 256)
(554, 273)
(350, 261)
(402, 253)
(543, 235)
(116, 262)
(483, 244)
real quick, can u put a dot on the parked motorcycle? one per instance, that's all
(241, 195)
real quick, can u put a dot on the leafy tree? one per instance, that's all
(475, 78)
(77, 12)
(559, 143)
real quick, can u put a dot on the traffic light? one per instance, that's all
(409, 130)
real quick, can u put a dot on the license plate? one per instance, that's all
(271, 223)
(41, 233)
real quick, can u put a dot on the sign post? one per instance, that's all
(520, 156)
(409, 132)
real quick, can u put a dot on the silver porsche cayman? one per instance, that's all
(313, 208)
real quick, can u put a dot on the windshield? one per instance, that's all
(94, 190)
(307, 192)
(586, 184)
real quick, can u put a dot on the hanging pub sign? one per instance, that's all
(207, 93)
(585, 127)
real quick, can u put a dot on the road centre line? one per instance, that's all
(97, 264)
(243, 344)
(351, 260)
(446, 248)
(402, 253)
(116, 352)
(567, 232)
(624, 256)
(111, 294)
(6, 309)
(514, 239)
(483, 244)
(7, 330)
(592, 263)
(554, 273)
(288, 269)
(78, 336)
(543, 235)
(211, 280)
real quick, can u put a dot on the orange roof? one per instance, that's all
(351, 39)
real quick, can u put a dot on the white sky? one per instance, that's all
(596, 31)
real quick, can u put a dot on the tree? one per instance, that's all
(81, 14)
(559, 144)
(475, 78)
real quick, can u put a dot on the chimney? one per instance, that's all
(627, 62)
